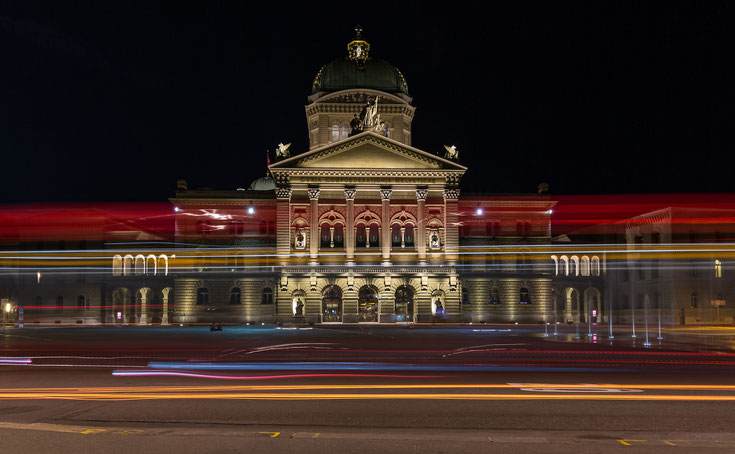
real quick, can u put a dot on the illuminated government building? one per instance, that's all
(360, 228)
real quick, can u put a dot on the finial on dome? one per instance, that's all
(357, 49)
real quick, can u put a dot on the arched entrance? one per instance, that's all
(593, 305)
(332, 304)
(367, 304)
(404, 304)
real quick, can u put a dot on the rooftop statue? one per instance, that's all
(282, 151)
(451, 153)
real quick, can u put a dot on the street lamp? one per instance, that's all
(5, 315)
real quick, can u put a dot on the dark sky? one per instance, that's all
(117, 100)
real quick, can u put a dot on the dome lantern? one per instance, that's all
(358, 49)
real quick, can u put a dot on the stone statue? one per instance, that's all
(452, 152)
(282, 150)
(356, 126)
(439, 307)
(364, 113)
(299, 307)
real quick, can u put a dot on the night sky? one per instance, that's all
(114, 101)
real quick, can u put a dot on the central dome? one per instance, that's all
(359, 70)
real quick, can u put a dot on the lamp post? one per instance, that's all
(5, 315)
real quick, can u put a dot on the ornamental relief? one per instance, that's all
(332, 212)
(403, 211)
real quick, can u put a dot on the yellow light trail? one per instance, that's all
(356, 396)
(232, 388)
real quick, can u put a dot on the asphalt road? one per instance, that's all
(363, 389)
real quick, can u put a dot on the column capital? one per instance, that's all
(313, 193)
(385, 193)
(350, 193)
(451, 194)
(283, 193)
(421, 194)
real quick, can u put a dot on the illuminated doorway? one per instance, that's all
(367, 304)
(332, 304)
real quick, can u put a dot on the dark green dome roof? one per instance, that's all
(376, 74)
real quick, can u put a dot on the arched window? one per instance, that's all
(718, 269)
(408, 235)
(59, 302)
(344, 132)
(139, 265)
(267, 297)
(81, 302)
(595, 266)
(374, 236)
(150, 265)
(163, 264)
(127, 265)
(525, 298)
(556, 265)
(235, 296)
(495, 296)
(361, 239)
(693, 300)
(325, 237)
(564, 265)
(117, 263)
(404, 303)
(339, 236)
(584, 266)
(575, 265)
(203, 295)
(395, 235)
(335, 133)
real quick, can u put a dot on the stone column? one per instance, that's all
(385, 198)
(451, 229)
(164, 317)
(283, 225)
(143, 320)
(314, 226)
(349, 233)
(421, 195)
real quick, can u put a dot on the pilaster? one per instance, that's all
(421, 195)
(314, 225)
(385, 194)
(350, 229)
(283, 225)
(451, 229)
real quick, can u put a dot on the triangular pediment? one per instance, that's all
(367, 150)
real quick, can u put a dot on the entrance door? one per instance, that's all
(367, 304)
(332, 304)
(404, 304)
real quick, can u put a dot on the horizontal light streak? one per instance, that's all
(357, 396)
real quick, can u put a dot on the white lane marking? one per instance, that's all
(583, 388)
